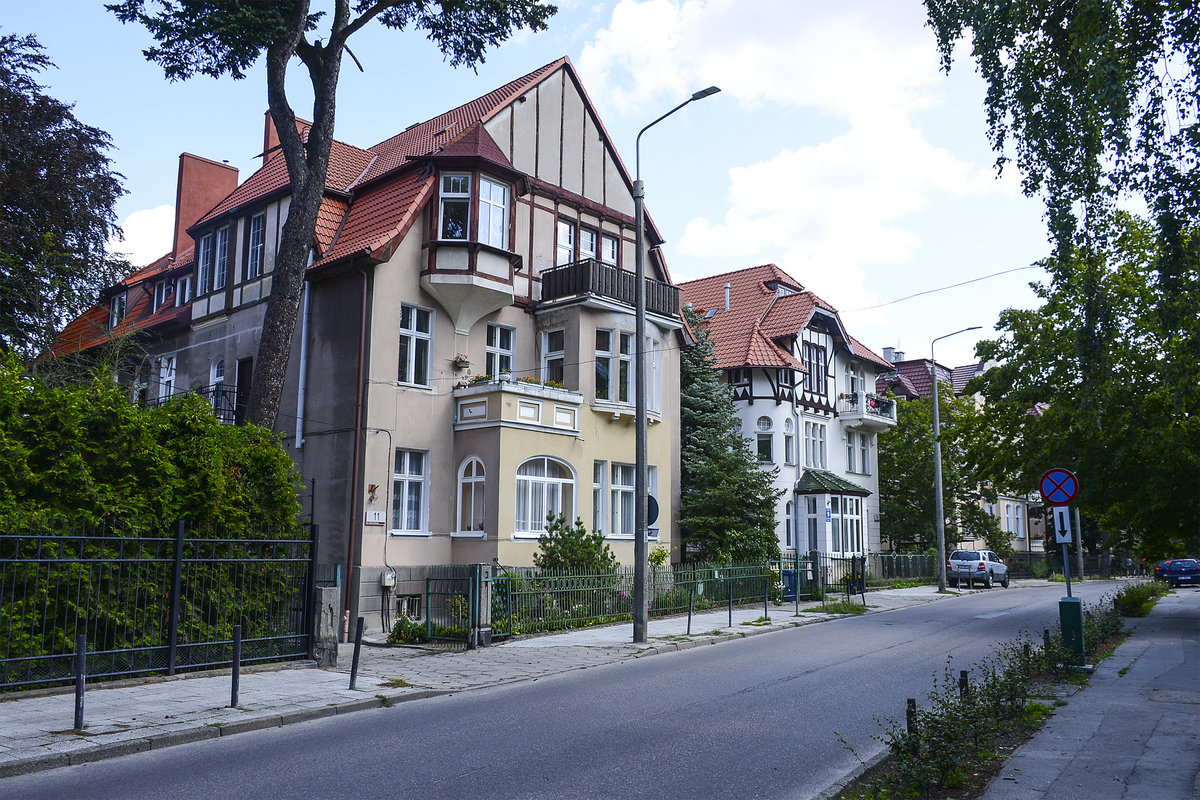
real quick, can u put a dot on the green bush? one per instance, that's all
(566, 546)
(1136, 599)
(407, 631)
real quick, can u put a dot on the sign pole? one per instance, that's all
(1059, 486)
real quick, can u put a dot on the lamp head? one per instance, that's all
(703, 93)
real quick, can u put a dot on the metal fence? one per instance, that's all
(147, 599)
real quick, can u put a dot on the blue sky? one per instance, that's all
(836, 148)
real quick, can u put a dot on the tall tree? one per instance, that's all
(219, 37)
(57, 191)
(727, 502)
(906, 480)
(1133, 438)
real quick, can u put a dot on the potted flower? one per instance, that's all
(461, 361)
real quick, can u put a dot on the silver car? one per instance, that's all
(971, 566)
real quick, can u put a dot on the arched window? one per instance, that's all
(544, 486)
(470, 497)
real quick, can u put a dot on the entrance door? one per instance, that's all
(245, 376)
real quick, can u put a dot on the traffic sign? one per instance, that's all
(1058, 486)
(1062, 525)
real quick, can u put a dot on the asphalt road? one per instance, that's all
(761, 717)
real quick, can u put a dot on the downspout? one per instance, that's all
(799, 448)
(353, 530)
(302, 388)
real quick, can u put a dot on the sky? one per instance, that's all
(837, 149)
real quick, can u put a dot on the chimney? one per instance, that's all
(202, 184)
(727, 298)
(271, 136)
(889, 354)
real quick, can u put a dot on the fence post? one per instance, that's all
(176, 588)
(312, 606)
(80, 675)
(691, 603)
(357, 650)
(796, 584)
(237, 666)
(767, 593)
(729, 583)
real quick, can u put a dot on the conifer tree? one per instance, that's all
(727, 501)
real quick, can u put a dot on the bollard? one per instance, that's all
(80, 674)
(963, 686)
(911, 715)
(237, 666)
(357, 649)
(730, 583)
(691, 604)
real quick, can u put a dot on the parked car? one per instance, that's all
(983, 566)
(1181, 570)
(1160, 570)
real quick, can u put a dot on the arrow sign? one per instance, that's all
(1058, 486)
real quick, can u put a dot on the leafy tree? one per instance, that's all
(57, 191)
(1129, 431)
(86, 451)
(566, 546)
(907, 501)
(727, 501)
(218, 37)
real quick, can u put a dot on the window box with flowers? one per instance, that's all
(461, 361)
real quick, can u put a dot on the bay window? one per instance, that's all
(544, 486)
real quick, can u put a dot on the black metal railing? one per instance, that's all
(153, 599)
(867, 404)
(590, 276)
(222, 397)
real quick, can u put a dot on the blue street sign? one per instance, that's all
(1058, 486)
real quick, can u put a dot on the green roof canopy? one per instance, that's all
(818, 481)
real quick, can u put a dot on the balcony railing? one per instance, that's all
(222, 397)
(604, 280)
(868, 408)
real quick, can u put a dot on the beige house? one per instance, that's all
(464, 360)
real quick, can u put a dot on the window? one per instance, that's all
(814, 445)
(851, 523)
(789, 448)
(544, 486)
(204, 264)
(116, 310)
(851, 450)
(785, 377)
(605, 359)
(614, 370)
(765, 440)
(470, 496)
(166, 376)
(415, 337)
(739, 377)
(493, 213)
(221, 262)
(162, 291)
(1008, 518)
(456, 207)
(814, 363)
(499, 349)
(787, 515)
(587, 243)
(183, 290)
(622, 500)
(625, 373)
(835, 523)
(1019, 520)
(254, 262)
(608, 250)
(408, 492)
(864, 453)
(553, 358)
(599, 473)
(811, 517)
(565, 247)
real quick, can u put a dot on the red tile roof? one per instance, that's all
(380, 217)
(758, 315)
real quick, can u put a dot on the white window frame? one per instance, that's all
(815, 445)
(493, 213)
(1019, 520)
(406, 478)
(606, 365)
(589, 244)
(456, 191)
(415, 347)
(472, 499)
(204, 264)
(864, 453)
(221, 259)
(564, 248)
(499, 356)
(166, 376)
(116, 310)
(621, 506)
(610, 249)
(789, 449)
(162, 291)
(554, 361)
(258, 245)
(540, 494)
(599, 495)
(788, 541)
(851, 450)
(183, 290)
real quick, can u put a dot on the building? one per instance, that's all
(912, 378)
(462, 365)
(804, 389)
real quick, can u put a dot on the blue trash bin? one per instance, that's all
(789, 585)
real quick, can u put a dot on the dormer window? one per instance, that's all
(454, 217)
(116, 310)
(183, 290)
(162, 293)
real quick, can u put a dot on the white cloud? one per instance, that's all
(149, 234)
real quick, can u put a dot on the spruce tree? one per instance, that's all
(727, 501)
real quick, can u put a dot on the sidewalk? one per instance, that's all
(1134, 732)
(36, 731)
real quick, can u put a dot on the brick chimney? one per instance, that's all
(271, 136)
(202, 184)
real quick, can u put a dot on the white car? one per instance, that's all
(971, 566)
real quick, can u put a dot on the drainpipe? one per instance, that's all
(302, 388)
(353, 529)
(798, 444)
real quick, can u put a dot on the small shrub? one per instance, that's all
(567, 546)
(1136, 599)
(843, 607)
(1038, 569)
(407, 631)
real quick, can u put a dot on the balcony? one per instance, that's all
(867, 412)
(505, 402)
(221, 397)
(591, 277)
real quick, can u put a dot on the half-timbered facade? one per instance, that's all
(805, 391)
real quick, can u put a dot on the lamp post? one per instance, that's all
(937, 460)
(640, 481)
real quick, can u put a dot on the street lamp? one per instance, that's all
(937, 461)
(640, 482)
